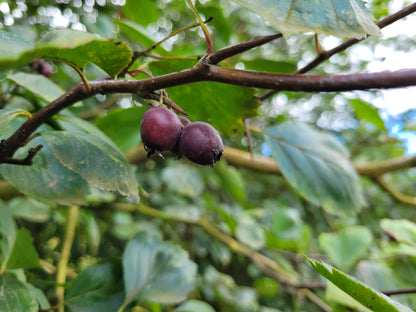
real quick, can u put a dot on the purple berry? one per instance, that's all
(201, 143)
(160, 129)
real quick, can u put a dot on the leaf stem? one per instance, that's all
(61, 268)
(210, 45)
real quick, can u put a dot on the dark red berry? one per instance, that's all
(201, 143)
(175, 150)
(160, 129)
(42, 67)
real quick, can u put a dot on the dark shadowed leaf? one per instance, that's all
(95, 160)
(342, 18)
(15, 296)
(156, 271)
(367, 296)
(316, 165)
(98, 288)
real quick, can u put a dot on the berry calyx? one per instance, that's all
(159, 129)
(201, 143)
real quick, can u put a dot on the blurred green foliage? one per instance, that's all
(118, 240)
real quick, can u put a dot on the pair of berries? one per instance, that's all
(161, 130)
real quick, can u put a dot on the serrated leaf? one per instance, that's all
(403, 231)
(95, 160)
(342, 18)
(37, 84)
(223, 106)
(367, 296)
(23, 254)
(46, 180)
(70, 46)
(98, 288)
(367, 112)
(15, 296)
(346, 246)
(156, 271)
(316, 165)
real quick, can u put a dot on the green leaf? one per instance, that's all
(231, 181)
(316, 165)
(342, 18)
(95, 160)
(122, 126)
(347, 246)
(8, 231)
(23, 254)
(194, 305)
(40, 297)
(47, 180)
(142, 12)
(139, 34)
(403, 231)
(156, 271)
(223, 106)
(73, 47)
(249, 232)
(367, 296)
(16, 296)
(184, 180)
(11, 46)
(7, 115)
(367, 112)
(270, 66)
(38, 84)
(29, 209)
(98, 288)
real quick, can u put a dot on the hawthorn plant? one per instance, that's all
(110, 197)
